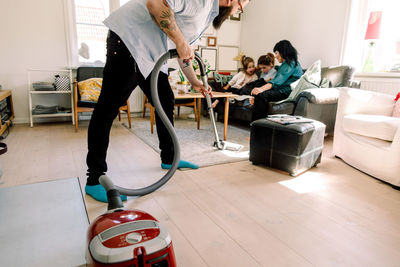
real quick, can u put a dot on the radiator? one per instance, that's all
(387, 83)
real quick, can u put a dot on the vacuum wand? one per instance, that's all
(204, 79)
(221, 145)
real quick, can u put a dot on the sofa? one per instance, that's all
(316, 103)
(366, 135)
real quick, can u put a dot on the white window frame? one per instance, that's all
(351, 54)
(71, 31)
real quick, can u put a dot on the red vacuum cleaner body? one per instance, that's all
(129, 238)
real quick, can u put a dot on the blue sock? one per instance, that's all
(182, 164)
(99, 193)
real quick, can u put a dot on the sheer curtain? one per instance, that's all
(86, 33)
(386, 49)
(352, 53)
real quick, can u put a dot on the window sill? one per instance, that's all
(377, 74)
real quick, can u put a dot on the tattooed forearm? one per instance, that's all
(154, 19)
(166, 21)
(163, 16)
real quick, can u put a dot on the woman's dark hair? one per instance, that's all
(287, 51)
(267, 60)
(245, 62)
(224, 13)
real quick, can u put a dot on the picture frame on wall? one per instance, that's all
(212, 41)
(235, 17)
(209, 54)
(226, 58)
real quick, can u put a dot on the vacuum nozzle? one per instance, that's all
(113, 196)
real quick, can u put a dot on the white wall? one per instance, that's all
(229, 33)
(314, 27)
(32, 36)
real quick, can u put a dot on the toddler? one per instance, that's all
(247, 75)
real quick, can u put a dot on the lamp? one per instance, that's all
(238, 57)
(373, 33)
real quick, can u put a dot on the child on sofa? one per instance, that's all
(247, 75)
(265, 64)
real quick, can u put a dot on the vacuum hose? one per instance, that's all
(114, 200)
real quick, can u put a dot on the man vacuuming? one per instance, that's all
(140, 32)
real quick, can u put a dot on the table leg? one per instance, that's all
(226, 117)
(198, 102)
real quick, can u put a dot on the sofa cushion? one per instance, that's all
(376, 126)
(310, 79)
(320, 96)
(339, 76)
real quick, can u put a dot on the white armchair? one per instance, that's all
(366, 136)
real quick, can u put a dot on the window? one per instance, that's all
(86, 33)
(91, 32)
(123, 2)
(380, 51)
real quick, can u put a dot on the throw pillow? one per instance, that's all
(396, 110)
(222, 79)
(310, 79)
(89, 89)
(325, 83)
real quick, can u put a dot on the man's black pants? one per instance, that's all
(121, 75)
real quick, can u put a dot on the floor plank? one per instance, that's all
(233, 214)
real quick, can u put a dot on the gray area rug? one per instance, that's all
(197, 145)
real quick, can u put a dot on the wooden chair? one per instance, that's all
(178, 103)
(146, 104)
(84, 73)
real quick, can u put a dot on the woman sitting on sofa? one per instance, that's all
(279, 87)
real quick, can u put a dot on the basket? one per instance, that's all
(62, 83)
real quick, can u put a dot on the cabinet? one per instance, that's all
(60, 101)
(6, 110)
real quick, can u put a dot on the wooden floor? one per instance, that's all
(230, 215)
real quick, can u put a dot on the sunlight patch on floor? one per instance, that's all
(235, 154)
(306, 183)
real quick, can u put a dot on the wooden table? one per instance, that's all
(199, 96)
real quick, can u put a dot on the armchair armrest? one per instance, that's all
(396, 140)
(359, 101)
(320, 95)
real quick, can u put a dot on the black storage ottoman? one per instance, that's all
(293, 148)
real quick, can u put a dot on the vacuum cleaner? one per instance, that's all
(122, 237)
